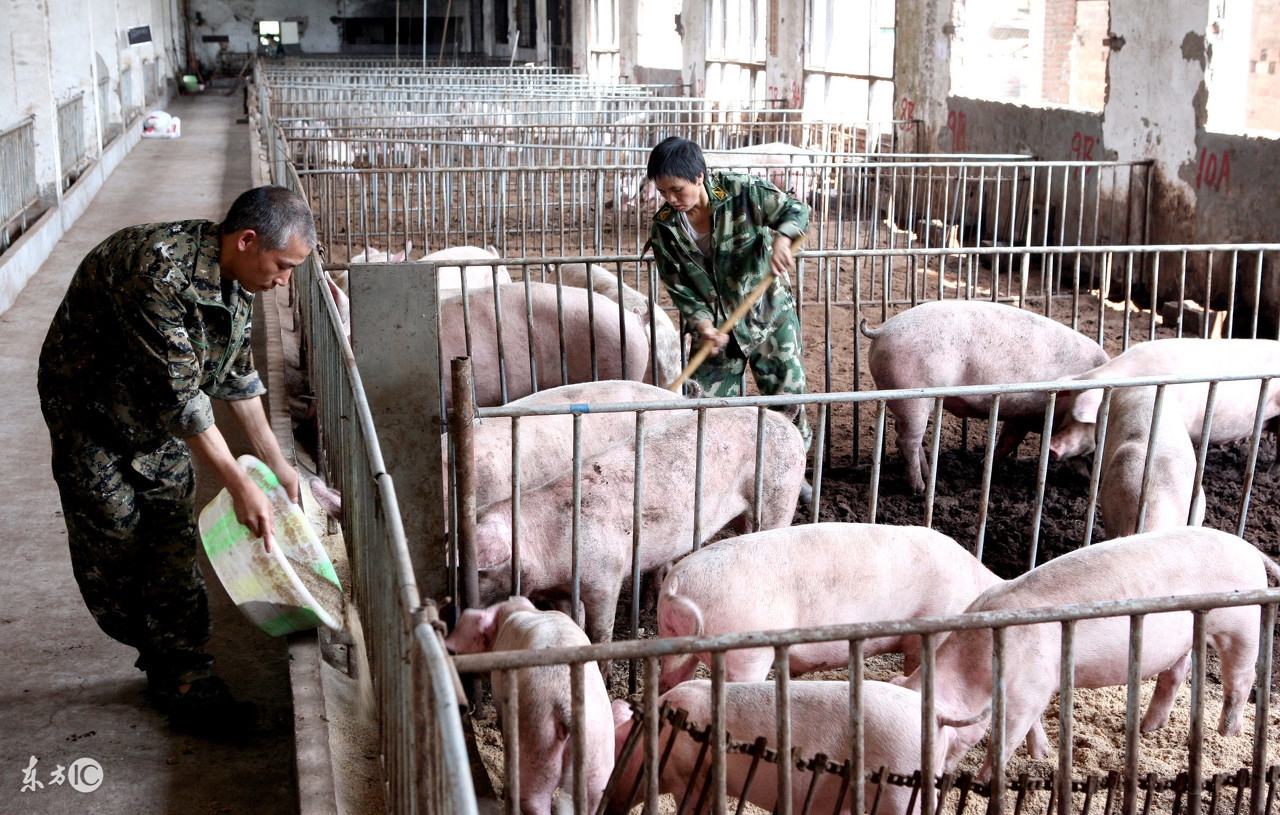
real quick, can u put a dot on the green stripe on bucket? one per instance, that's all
(225, 533)
(298, 619)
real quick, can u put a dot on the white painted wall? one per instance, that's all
(49, 51)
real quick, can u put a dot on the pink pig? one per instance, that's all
(819, 724)
(1181, 561)
(608, 488)
(545, 712)
(1124, 459)
(1234, 408)
(819, 574)
(972, 342)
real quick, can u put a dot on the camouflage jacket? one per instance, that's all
(147, 333)
(745, 210)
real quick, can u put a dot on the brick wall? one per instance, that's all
(1089, 55)
(1059, 33)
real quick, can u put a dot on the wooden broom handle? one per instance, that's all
(797, 245)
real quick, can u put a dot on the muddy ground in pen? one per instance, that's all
(1007, 540)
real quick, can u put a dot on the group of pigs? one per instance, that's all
(956, 343)
(582, 324)
(828, 573)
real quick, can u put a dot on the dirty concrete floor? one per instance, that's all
(69, 691)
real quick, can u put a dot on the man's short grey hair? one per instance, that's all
(276, 214)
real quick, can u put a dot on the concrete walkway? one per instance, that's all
(69, 691)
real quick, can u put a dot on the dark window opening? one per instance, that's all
(382, 30)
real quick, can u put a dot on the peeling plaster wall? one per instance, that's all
(1159, 119)
(1049, 134)
(922, 66)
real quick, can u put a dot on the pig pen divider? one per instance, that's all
(824, 402)
(424, 759)
(856, 204)
(1260, 777)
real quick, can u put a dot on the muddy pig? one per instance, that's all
(1234, 406)
(1124, 457)
(971, 342)
(819, 724)
(1181, 561)
(619, 345)
(608, 487)
(819, 574)
(545, 706)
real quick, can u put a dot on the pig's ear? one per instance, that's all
(487, 625)
(493, 543)
(493, 250)
(1085, 408)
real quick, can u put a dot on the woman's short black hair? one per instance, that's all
(675, 157)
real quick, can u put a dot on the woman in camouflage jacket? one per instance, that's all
(714, 240)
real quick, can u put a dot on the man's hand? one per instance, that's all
(253, 509)
(710, 334)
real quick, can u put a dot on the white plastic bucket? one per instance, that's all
(264, 584)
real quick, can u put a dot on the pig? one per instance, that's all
(546, 442)
(971, 342)
(1124, 458)
(619, 340)
(545, 705)
(1185, 560)
(546, 523)
(819, 725)
(369, 254)
(819, 574)
(1234, 407)
(341, 301)
(478, 276)
(664, 336)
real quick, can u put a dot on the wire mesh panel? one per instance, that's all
(128, 106)
(105, 127)
(72, 144)
(19, 189)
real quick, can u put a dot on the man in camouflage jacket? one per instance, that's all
(155, 323)
(707, 283)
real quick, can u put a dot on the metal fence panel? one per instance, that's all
(72, 144)
(19, 189)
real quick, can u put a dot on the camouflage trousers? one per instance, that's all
(133, 541)
(777, 366)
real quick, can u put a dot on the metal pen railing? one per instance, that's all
(590, 209)
(128, 107)
(104, 110)
(425, 762)
(73, 151)
(19, 188)
(935, 788)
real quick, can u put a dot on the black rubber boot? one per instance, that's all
(206, 708)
